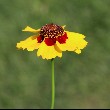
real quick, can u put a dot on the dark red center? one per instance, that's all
(51, 33)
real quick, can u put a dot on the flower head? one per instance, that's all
(51, 40)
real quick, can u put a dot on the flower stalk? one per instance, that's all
(53, 85)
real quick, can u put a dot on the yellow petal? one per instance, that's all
(30, 44)
(63, 26)
(57, 48)
(29, 29)
(75, 42)
(48, 52)
(78, 51)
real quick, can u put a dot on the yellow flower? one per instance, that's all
(51, 40)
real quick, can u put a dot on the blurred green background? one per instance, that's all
(82, 81)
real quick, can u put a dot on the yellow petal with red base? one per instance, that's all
(30, 44)
(48, 52)
(29, 29)
(75, 42)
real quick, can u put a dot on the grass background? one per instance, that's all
(82, 81)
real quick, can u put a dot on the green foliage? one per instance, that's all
(82, 81)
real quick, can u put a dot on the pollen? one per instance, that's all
(51, 30)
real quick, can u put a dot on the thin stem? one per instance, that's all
(53, 85)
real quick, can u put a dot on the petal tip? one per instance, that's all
(63, 26)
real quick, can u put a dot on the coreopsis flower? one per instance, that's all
(51, 40)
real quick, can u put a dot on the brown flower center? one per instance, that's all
(51, 31)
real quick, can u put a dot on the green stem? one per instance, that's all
(53, 85)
